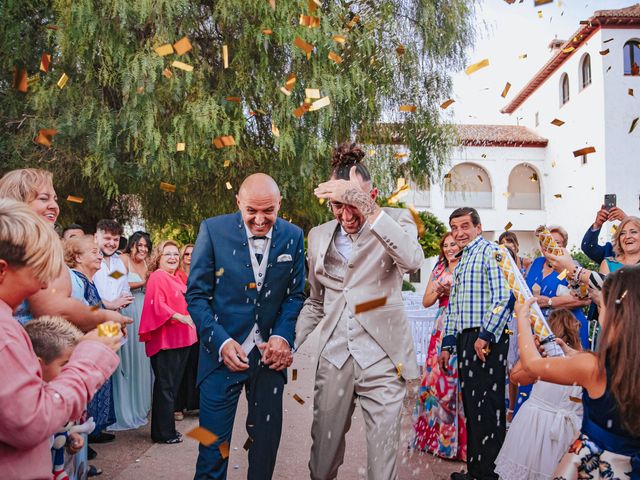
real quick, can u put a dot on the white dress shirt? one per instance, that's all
(109, 287)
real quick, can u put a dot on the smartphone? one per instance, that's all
(609, 201)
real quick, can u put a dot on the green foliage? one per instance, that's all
(408, 286)
(119, 119)
(583, 260)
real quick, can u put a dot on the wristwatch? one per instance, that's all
(550, 302)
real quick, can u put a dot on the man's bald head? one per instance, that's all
(259, 201)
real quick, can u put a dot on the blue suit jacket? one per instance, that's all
(221, 294)
(593, 250)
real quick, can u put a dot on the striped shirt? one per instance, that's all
(479, 294)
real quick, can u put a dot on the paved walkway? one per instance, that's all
(133, 457)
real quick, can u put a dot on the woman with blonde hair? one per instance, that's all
(167, 330)
(185, 262)
(626, 246)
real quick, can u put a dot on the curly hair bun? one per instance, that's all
(346, 154)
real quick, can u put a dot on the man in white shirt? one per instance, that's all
(111, 279)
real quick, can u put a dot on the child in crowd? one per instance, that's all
(31, 411)
(608, 445)
(548, 422)
(53, 340)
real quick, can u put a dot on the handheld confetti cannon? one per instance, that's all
(521, 291)
(108, 329)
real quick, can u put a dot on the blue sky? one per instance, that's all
(504, 33)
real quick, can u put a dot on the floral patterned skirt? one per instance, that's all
(439, 419)
(586, 460)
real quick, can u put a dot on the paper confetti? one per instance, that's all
(630, 91)
(417, 220)
(557, 122)
(180, 147)
(505, 90)
(167, 73)
(447, 103)
(584, 151)
(224, 449)
(335, 57)
(45, 136)
(634, 122)
(522, 56)
(553, 164)
(62, 81)
(233, 99)
(339, 38)
(480, 178)
(408, 108)
(224, 141)
(294, 374)
(274, 130)
(202, 435)
(45, 61)
(167, 187)
(568, 49)
(508, 226)
(298, 399)
(309, 21)
(312, 92)
(497, 310)
(248, 443)
(399, 155)
(540, 15)
(604, 52)
(226, 163)
(182, 46)
(352, 22)
(400, 50)
(318, 104)
(399, 370)
(225, 56)
(163, 50)
(562, 275)
(538, 3)
(74, 199)
(477, 66)
(371, 305)
(20, 80)
(267, 31)
(182, 66)
(228, 185)
(108, 329)
(558, 195)
(534, 177)
(302, 45)
(116, 274)
(575, 399)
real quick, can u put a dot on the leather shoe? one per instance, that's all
(461, 476)
(102, 437)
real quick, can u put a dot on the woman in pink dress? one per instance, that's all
(168, 332)
(440, 425)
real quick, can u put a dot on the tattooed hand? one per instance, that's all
(349, 192)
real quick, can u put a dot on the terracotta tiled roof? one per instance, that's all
(499, 135)
(601, 18)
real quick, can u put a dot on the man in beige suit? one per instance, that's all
(360, 256)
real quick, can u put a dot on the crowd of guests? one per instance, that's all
(565, 418)
(489, 395)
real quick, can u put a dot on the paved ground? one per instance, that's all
(133, 457)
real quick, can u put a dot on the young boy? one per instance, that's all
(53, 340)
(31, 411)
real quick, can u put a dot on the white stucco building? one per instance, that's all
(526, 173)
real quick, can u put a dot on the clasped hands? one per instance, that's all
(276, 353)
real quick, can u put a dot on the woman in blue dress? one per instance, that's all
(132, 381)
(552, 292)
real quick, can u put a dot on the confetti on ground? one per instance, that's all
(447, 103)
(202, 435)
(116, 274)
(505, 90)
(633, 125)
(401, 50)
(294, 374)
(557, 122)
(20, 80)
(62, 81)
(309, 21)
(584, 151)
(371, 305)
(508, 226)
(182, 66)
(167, 187)
(163, 50)
(408, 108)
(298, 399)
(226, 163)
(477, 66)
(74, 199)
(45, 136)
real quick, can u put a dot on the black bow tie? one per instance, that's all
(259, 238)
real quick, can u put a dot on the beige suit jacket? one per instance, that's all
(380, 257)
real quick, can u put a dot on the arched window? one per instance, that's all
(631, 53)
(468, 185)
(585, 71)
(524, 188)
(564, 89)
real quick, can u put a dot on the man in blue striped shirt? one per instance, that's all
(475, 328)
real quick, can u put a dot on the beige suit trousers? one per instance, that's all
(380, 392)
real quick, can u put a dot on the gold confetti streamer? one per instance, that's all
(220, 272)
(399, 370)
(116, 274)
(371, 305)
(534, 177)
(557, 122)
(62, 81)
(352, 23)
(447, 103)
(538, 3)
(562, 275)
(399, 155)
(164, 50)
(108, 329)
(309, 21)
(335, 57)
(558, 195)
(182, 46)
(225, 56)
(540, 14)
(408, 108)
(477, 66)
(553, 164)
(522, 56)
(74, 199)
(575, 399)
(167, 187)
(202, 435)
(584, 151)
(182, 66)
(505, 90)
